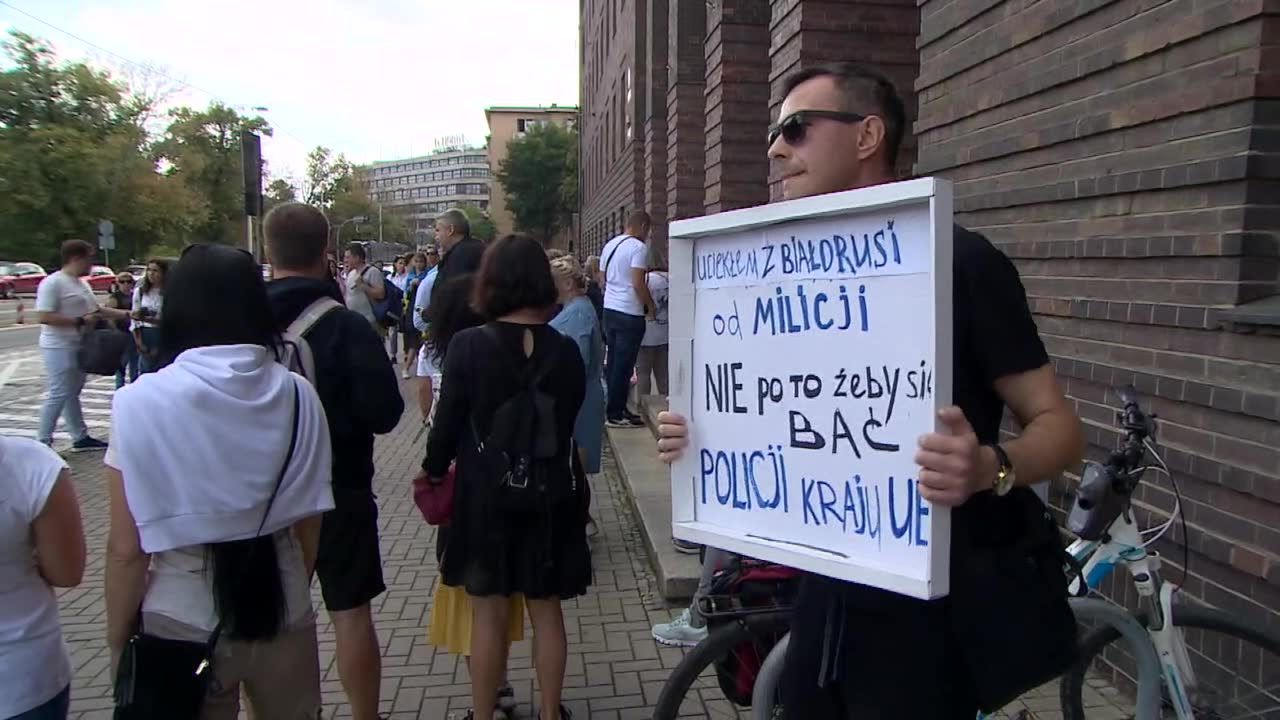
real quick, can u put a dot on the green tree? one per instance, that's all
(534, 176)
(482, 227)
(278, 192)
(202, 149)
(327, 177)
(73, 151)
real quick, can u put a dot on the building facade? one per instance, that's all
(1121, 152)
(420, 188)
(511, 123)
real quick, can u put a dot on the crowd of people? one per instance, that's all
(213, 544)
(241, 459)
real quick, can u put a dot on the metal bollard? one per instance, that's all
(1132, 631)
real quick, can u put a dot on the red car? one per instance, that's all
(100, 278)
(19, 277)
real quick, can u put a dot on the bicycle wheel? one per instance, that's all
(693, 689)
(1237, 667)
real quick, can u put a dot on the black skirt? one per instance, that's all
(542, 554)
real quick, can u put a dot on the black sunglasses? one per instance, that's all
(793, 127)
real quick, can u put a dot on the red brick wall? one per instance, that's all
(737, 97)
(686, 108)
(880, 34)
(1117, 151)
(655, 120)
(613, 166)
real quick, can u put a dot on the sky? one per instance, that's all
(372, 79)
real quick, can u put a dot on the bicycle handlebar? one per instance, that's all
(1105, 489)
(1138, 427)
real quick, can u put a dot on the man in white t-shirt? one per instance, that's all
(365, 284)
(626, 304)
(65, 306)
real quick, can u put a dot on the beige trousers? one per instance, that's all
(280, 677)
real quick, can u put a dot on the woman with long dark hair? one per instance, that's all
(498, 545)
(148, 300)
(222, 440)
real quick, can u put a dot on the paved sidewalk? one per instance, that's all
(615, 670)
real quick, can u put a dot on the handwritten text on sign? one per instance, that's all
(813, 379)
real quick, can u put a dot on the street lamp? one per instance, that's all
(337, 236)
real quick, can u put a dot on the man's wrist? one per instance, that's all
(988, 469)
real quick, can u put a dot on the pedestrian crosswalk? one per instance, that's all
(23, 389)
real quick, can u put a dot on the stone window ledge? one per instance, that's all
(1260, 315)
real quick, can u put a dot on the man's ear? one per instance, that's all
(871, 136)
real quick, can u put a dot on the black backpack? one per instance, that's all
(519, 455)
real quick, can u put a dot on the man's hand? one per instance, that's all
(953, 466)
(673, 436)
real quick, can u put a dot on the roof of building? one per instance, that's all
(553, 108)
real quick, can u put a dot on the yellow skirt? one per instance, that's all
(449, 626)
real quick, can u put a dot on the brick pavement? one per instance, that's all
(615, 670)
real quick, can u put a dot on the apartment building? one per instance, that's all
(422, 187)
(508, 123)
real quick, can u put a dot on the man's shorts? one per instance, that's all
(349, 562)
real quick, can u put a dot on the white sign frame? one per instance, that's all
(684, 235)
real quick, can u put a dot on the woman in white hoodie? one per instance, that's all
(221, 443)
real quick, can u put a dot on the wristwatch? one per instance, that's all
(1005, 476)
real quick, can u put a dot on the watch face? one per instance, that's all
(1004, 482)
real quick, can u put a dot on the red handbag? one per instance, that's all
(435, 499)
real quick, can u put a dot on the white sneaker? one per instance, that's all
(404, 374)
(678, 632)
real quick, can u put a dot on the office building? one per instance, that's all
(510, 123)
(422, 187)
(1120, 153)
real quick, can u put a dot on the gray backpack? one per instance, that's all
(297, 351)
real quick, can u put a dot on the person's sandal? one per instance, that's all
(507, 698)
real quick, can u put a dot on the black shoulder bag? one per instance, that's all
(164, 678)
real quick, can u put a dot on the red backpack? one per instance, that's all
(747, 585)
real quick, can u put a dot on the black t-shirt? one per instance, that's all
(460, 259)
(994, 333)
(994, 336)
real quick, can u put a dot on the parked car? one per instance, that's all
(100, 278)
(6, 280)
(20, 277)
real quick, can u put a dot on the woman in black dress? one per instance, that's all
(494, 553)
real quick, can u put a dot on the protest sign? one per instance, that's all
(810, 349)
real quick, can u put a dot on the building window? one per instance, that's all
(626, 107)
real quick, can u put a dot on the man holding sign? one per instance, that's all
(862, 652)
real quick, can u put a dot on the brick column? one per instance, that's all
(737, 53)
(686, 108)
(880, 34)
(655, 121)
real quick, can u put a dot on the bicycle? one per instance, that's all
(1102, 519)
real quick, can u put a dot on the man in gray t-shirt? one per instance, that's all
(364, 284)
(65, 306)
